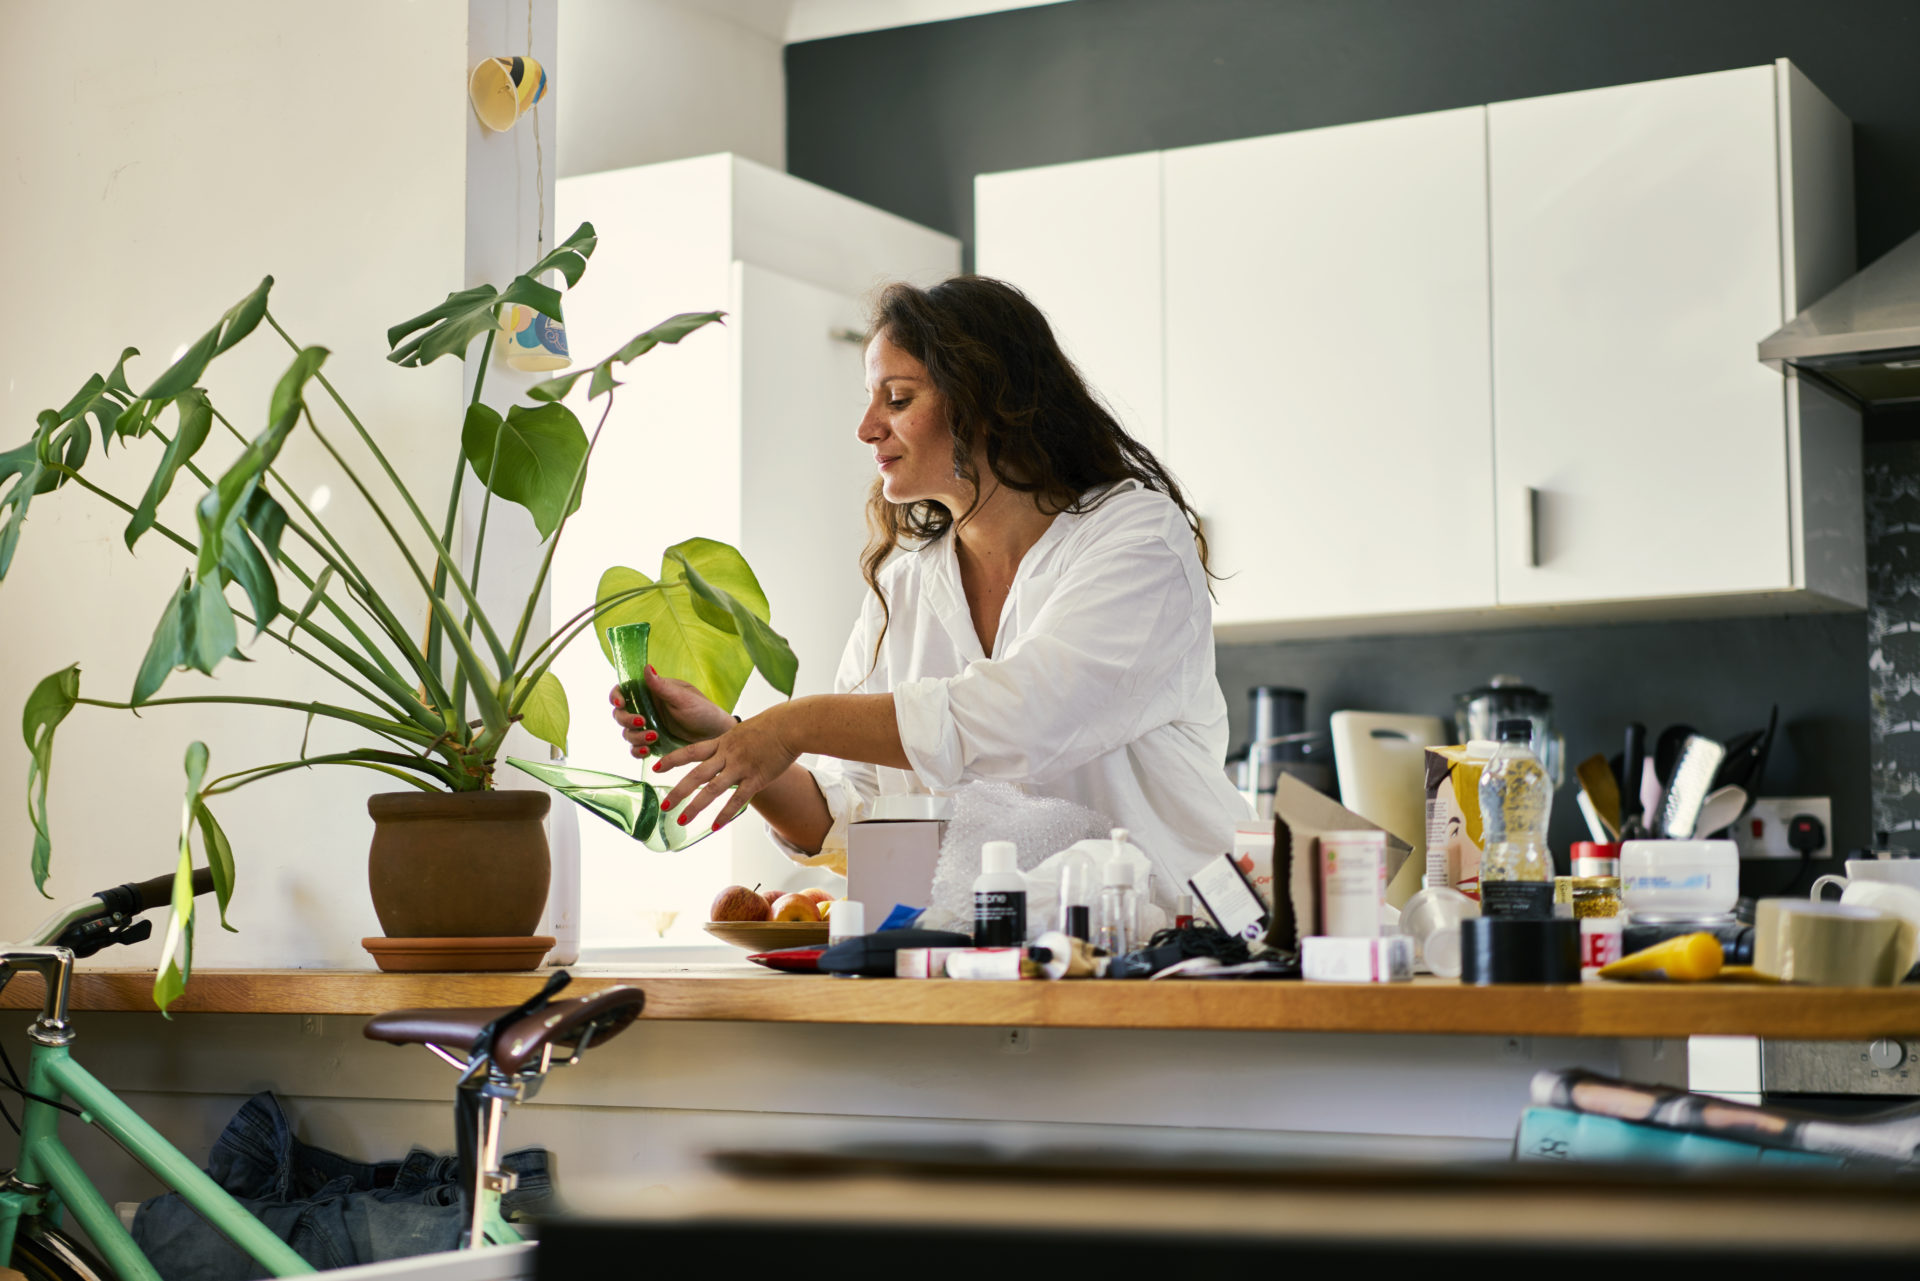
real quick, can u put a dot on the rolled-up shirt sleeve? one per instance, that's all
(847, 786)
(1102, 662)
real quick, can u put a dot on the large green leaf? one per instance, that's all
(239, 321)
(176, 954)
(47, 706)
(545, 714)
(196, 631)
(569, 257)
(670, 330)
(768, 649)
(34, 469)
(448, 329)
(196, 420)
(219, 859)
(538, 458)
(234, 490)
(629, 804)
(683, 644)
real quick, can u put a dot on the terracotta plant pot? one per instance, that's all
(459, 864)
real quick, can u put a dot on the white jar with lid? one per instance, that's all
(1679, 878)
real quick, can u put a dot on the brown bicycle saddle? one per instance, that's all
(597, 1019)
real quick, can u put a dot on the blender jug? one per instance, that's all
(1478, 712)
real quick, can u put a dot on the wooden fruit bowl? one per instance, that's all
(765, 936)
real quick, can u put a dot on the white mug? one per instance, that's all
(1896, 871)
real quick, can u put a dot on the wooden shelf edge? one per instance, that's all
(1425, 1008)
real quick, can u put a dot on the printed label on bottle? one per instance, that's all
(999, 918)
(1517, 900)
(1600, 940)
(1080, 922)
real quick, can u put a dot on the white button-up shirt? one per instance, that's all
(1101, 690)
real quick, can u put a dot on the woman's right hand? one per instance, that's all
(689, 714)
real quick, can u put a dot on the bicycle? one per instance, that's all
(508, 1052)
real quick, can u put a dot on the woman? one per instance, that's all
(1039, 611)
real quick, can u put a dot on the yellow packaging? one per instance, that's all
(1455, 836)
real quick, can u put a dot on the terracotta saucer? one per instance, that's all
(431, 955)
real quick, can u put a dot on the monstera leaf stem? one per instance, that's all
(564, 635)
(379, 725)
(458, 709)
(500, 653)
(389, 763)
(336, 557)
(553, 544)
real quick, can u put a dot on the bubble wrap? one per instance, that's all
(1039, 826)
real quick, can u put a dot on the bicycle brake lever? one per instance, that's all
(89, 937)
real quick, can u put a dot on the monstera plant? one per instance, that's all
(435, 708)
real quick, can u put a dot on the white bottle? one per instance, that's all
(848, 921)
(563, 890)
(1119, 908)
(999, 898)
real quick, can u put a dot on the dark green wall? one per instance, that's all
(905, 118)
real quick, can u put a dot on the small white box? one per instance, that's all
(1351, 960)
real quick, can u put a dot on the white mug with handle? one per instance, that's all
(1894, 871)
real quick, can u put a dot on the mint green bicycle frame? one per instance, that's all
(54, 1180)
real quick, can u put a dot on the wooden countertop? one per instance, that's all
(742, 992)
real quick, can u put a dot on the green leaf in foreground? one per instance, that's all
(450, 328)
(196, 420)
(176, 954)
(196, 631)
(545, 714)
(629, 804)
(47, 706)
(682, 644)
(532, 458)
(670, 330)
(239, 321)
(219, 859)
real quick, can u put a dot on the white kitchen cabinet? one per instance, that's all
(742, 433)
(1083, 242)
(1326, 367)
(1643, 238)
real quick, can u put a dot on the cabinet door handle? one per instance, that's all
(1533, 527)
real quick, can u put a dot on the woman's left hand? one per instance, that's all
(747, 757)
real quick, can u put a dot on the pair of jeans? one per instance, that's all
(334, 1212)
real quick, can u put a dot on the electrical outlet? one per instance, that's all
(1763, 832)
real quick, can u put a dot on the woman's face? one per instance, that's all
(906, 427)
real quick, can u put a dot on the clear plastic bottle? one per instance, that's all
(1119, 908)
(1516, 872)
(1079, 893)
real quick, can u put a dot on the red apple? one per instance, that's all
(818, 895)
(738, 903)
(795, 907)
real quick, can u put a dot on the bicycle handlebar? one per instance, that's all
(136, 897)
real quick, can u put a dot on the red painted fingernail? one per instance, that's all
(646, 751)
(651, 671)
(640, 722)
(684, 818)
(651, 736)
(658, 766)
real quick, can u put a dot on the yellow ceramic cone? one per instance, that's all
(503, 89)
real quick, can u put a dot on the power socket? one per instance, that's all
(1763, 832)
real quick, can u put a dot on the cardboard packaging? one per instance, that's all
(1455, 835)
(1353, 883)
(1300, 817)
(891, 855)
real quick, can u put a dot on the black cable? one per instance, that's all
(14, 1083)
(12, 1124)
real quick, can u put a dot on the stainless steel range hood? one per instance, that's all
(1863, 339)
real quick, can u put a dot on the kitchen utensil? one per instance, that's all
(1597, 785)
(1632, 766)
(1693, 770)
(1477, 714)
(1666, 752)
(1746, 765)
(1596, 826)
(1723, 805)
(1652, 795)
(1381, 760)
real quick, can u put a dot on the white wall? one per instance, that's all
(167, 158)
(651, 80)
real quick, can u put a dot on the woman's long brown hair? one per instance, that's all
(1009, 388)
